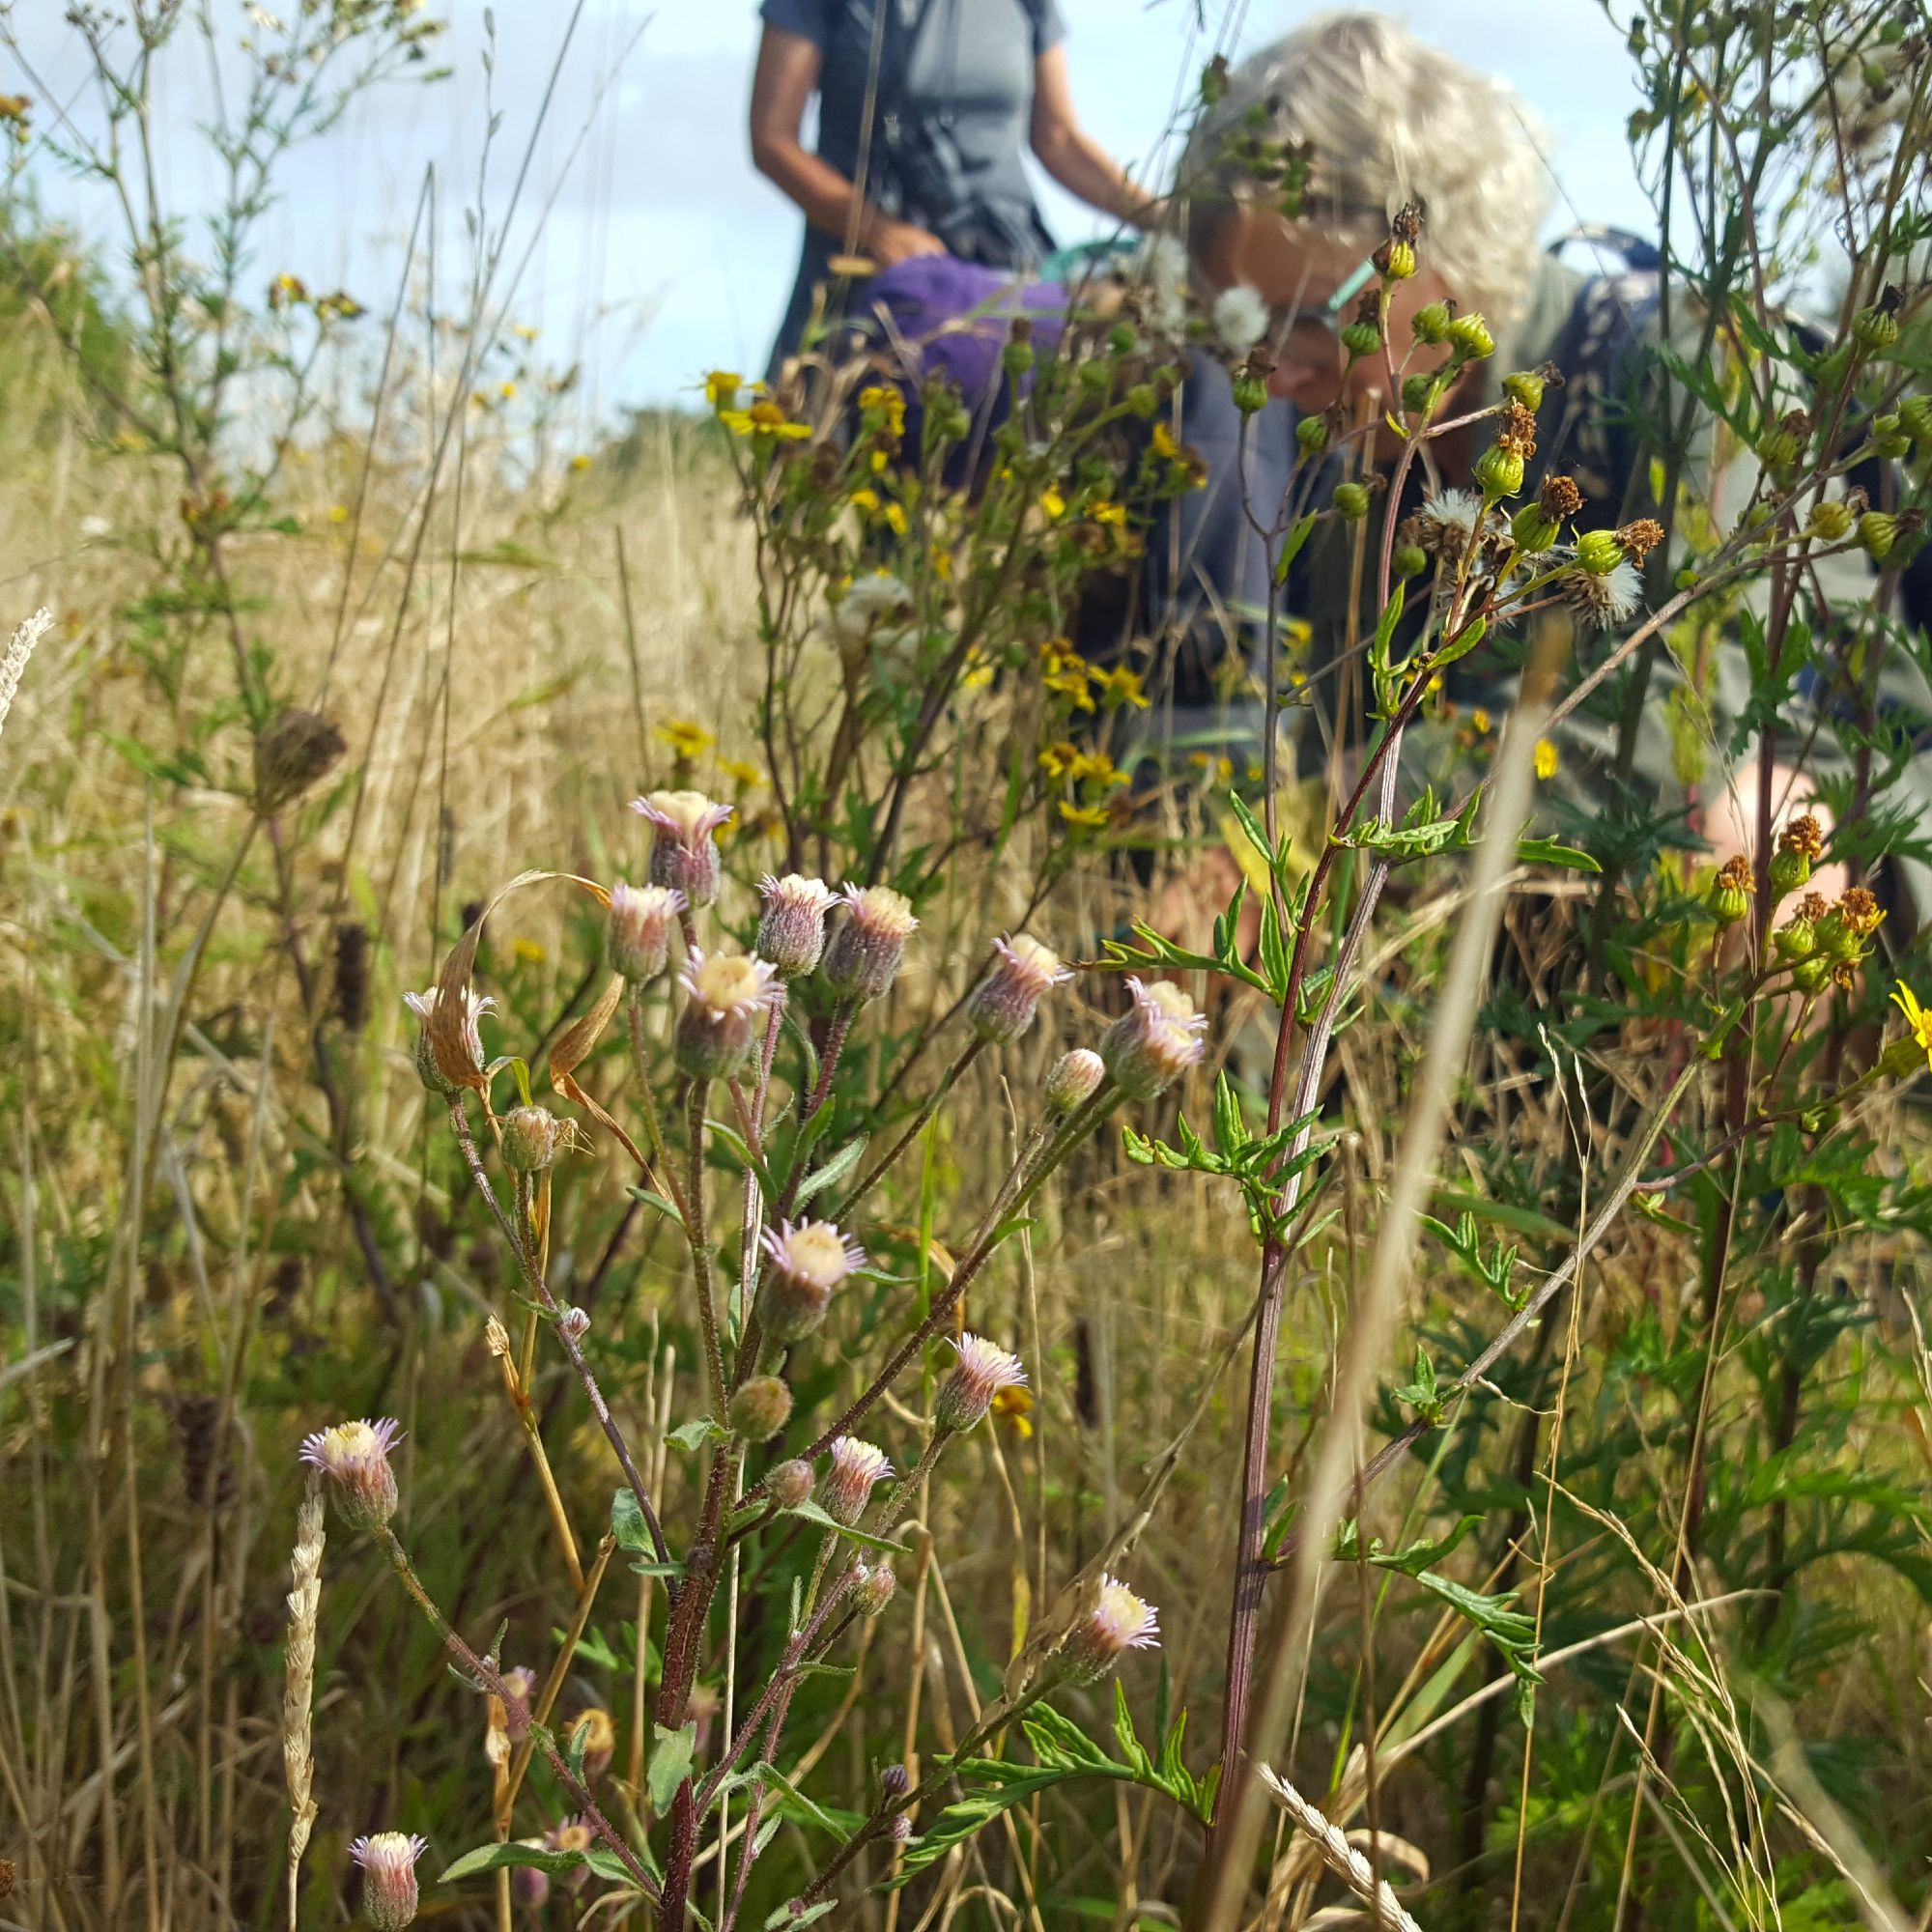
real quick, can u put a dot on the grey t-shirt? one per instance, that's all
(964, 107)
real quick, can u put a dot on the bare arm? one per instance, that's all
(1071, 155)
(785, 80)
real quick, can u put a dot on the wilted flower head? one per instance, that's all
(449, 1050)
(803, 1264)
(504, 1725)
(1119, 1621)
(865, 952)
(354, 1458)
(599, 1736)
(848, 1484)
(1445, 523)
(1155, 1041)
(1003, 1003)
(982, 1372)
(1239, 317)
(292, 751)
(874, 607)
(1602, 598)
(388, 1862)
(1073, 1079)
(684, 853)
(637, 936)
(791, 933)
(532, 1136)
(726, 995)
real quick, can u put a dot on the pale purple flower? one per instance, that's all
(983, 1371)
(1119, 1621)
(355, 1459)
(791, 933)
(684, 853)
(388, 1862)
(863, 954)
(637, 937)
(1155, 1041)
(1003, 1003)
(856, 1467)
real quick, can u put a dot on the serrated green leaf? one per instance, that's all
(604, 1863)
(671, 1753)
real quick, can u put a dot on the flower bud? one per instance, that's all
(1361, 337)
(684, 852)
(388, 1862)
(531, 1138)
(1395, 260)
(1729, 895)
(1120, 1620)
(1875, 328)
(1016, 358)
(791, 932)
(1470, 338)
(727, 996)
(1419, 391)
(1251, 393)
(1902, 1059)
(1525, 386)
(1599, 552)
(1411, 559)
(894, 1781)
(1352, 501)
(1072, 1080)
(1914, 413)
(1832, 522)
(873, 1590)
(789, 1483)
(637, 934)
(1797, 939)
(355, 1459)
(982, 1372)
(1533, 531)
(761, 1408)
(863, 955)
(1800, 847)
(575, 1323)
(898, 1830)
(1878, 532)
(856, 1467)
(1003, 1005)
(599, 1738)
(1431, 323)
(1812, 975)
(1155, 1041)
(803, 1265)
(1498, 471)
(1312, 434)
(293, 750)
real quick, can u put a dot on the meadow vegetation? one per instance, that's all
(1405, 1395)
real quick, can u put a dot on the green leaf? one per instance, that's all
(696, 1433)
(1553, 852)
(831, 1173)
(1291, 547)
(786, 1915)
(652, 1199)
(494, 1858)
(627, 1521)
(812, 1512)
(671, 1753)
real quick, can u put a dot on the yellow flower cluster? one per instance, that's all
(1068, 675)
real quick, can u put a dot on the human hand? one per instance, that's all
(889, 242)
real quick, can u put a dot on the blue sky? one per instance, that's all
(663, 253)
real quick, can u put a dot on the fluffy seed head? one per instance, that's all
(1120, 1620)
(1446, 523)
(791, 933)
(863, 954)
(761, 1408)
(790, 1483)
(1239, 319)
(1155, 1041)
(388, 1862)
(684, 853)
(848, 1484)
(637, 935)
(982, 1372)
(531, 1138)
(727, 994)
(1073, 1079)
(354, 1458)
(1003, 1003)
(1602, 598)
(449, 1050)
(803, 1264)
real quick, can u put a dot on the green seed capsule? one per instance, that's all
(1352, 501)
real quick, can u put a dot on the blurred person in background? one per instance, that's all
(925, 108)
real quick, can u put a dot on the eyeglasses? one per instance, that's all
(1328, 317)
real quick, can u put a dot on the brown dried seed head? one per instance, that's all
(1860, 911)
(1735, 875)
(1560, 499)
(1641, 538)
(1519, 430)
(1408, 224)
(1803, 835)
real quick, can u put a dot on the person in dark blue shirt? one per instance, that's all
(925, 108)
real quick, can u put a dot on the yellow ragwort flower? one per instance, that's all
(748, 776)
(1917, 1018)
(895, 519)
(1164, 445)
(685, 739)
(1122, 686)
(1096, 768)
(1058, 759)
(1086, 817)
(763, 418)
(1103, 510)
(1014, 1407)
(1480, 719)
(1052, 503)
(721, 386)
(1546, 758)
(527, 951)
